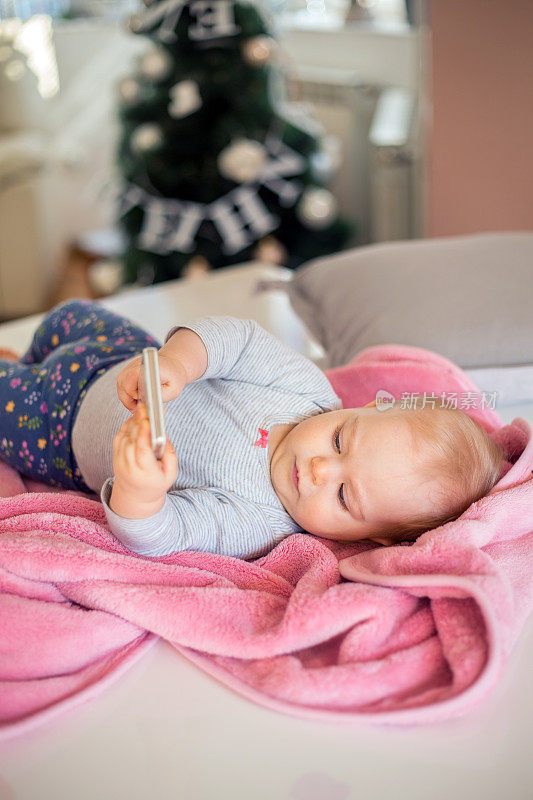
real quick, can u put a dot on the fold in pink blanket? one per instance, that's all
(400, 635)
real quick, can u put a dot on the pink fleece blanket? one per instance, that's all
(404, 634)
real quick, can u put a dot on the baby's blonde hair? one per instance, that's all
(458, 453)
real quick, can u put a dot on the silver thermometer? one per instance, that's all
(150, 392)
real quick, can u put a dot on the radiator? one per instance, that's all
(374, 126)
(344, 105)
(392, 167)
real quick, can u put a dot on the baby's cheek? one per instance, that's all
(314, 515)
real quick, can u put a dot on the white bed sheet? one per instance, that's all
(166, 729)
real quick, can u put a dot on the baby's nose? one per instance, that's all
(321, 470)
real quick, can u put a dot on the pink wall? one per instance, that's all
(480, 167)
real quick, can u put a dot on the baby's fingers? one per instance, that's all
(127, 398)
(128, 385)
(169, 463)
(121, 437)
(123, 455)
(143, 440)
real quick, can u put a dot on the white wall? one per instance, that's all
(378, 56)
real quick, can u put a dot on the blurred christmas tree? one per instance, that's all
(214, 163)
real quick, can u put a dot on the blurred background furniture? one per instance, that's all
(58, 81)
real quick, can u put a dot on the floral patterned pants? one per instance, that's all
(40, 395)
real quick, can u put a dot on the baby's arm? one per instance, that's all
(241, 350)
(202, 519)
(233, 349)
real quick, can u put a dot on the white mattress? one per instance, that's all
(167, 730)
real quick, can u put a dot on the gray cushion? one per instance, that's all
(467, 297)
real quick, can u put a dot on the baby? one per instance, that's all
(258, 444)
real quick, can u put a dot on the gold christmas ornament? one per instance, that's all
(317, 208)
(196, 268)
(146, 137)
(105, 276)
(258, 50)
(128, 90)
(242, 160)
(271, 251)
(156, 65)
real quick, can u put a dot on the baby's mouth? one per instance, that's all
(295, 477)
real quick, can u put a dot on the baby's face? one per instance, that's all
(357, 471)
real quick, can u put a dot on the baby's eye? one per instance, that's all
(337, 447)
(340, 495)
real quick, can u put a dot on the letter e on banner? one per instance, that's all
(214, 19)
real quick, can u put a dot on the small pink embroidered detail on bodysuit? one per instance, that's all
(263, 441)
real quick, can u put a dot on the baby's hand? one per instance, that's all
(172, 375)
(141, 481)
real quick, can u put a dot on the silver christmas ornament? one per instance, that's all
(317, 208)
(327, 161)
(258, 50)
(128, 90)
(184, 99)
(145, 137)
(156, 65)
(242, 160)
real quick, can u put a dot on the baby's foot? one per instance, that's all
(7, 354)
